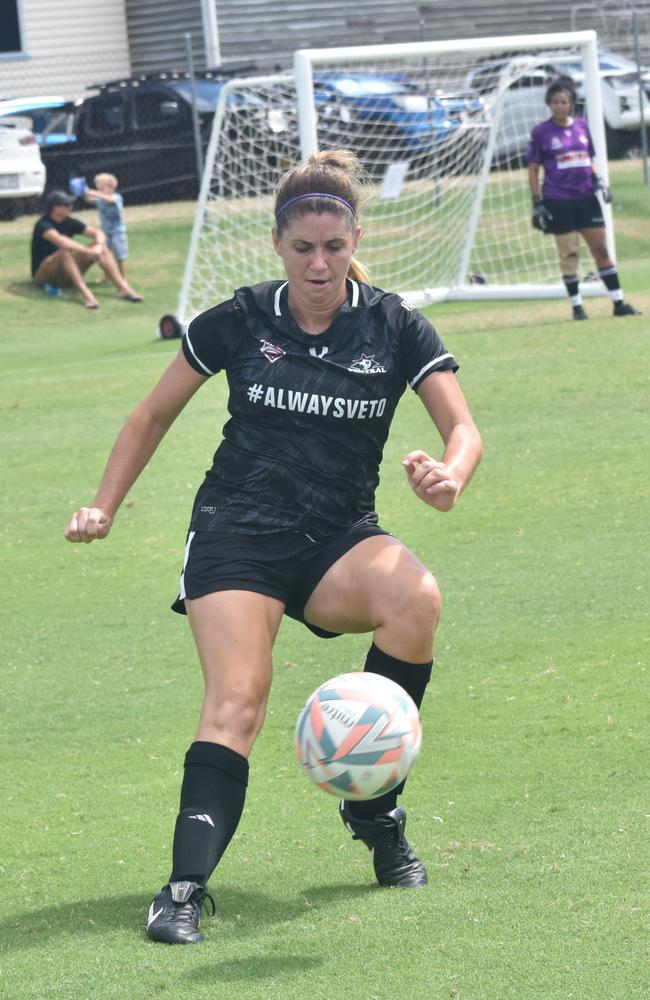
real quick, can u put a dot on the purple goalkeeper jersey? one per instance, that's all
(565, 153)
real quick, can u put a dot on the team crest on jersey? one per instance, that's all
(583, 139)
(556, 143)
(271, 352)
(366, 365)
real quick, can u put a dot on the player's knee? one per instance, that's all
(569, 264)
(240, 715)
(429, 600)
(420, 606)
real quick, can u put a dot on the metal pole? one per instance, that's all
(594, 102)
(307, 120)
(430, 99)
(195, 113)
(642, 97)
(211, 33)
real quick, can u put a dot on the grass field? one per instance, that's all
(529, 802)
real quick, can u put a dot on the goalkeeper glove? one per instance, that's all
(541, 214)
(602, 189)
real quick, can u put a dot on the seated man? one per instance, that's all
(58, 261)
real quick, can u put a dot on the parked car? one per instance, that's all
(523, 83)
(51, 119)
(142, 131)
(388, 117)
(22, 172)
(525, 80)
(620, 95)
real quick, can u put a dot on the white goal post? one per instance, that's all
(441, 128)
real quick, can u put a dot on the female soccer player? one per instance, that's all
(285, 520)
(569, 208)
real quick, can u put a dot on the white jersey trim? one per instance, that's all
(278, 292)
(181, 587)
(428, 367)
(194, 355)
(276, 301)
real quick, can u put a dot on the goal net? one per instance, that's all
(441, 129)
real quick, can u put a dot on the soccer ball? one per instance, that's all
(358, 736)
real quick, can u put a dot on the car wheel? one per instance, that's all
(8, 209)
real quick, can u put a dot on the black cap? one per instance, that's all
(54, 198)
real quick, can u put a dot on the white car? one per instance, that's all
(522, 81)
(513, 90)
(22, 172)
(620, 94)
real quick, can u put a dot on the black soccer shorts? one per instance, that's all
(575, 213)
(286, 565)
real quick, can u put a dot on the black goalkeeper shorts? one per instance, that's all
(572, 214)
(286, 565)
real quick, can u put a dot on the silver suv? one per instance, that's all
(523, 79)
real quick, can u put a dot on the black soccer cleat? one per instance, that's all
(174, 913)
(625, 309)
(579, 313)
(394, 862)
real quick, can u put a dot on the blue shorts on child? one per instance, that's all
(118, 242)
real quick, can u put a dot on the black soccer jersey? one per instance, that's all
(309, 414)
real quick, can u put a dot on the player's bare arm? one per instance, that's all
(135, 444)
(533, 179)
(440, 483)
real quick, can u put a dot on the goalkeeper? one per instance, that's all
(285, 521)
(568, 206)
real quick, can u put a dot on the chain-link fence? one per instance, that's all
(151, 131)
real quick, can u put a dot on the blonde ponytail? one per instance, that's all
(359, 272)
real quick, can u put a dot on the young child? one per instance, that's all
(111, 216)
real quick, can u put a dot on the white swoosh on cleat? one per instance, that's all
(152, 916)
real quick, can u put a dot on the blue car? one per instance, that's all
(142, 130)
(52, 118)
(388, 117)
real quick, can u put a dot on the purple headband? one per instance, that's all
(314, 194)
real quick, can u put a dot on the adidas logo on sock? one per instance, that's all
(203, 817)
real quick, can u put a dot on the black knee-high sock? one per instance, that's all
(413, 677)
(611, 281)
(212, 801)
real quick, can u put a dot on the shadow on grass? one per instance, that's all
(101, 288)
(26, 290)
(34, 293)
(238, 915)
(258, 967)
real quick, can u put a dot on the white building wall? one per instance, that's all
(68, 45)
